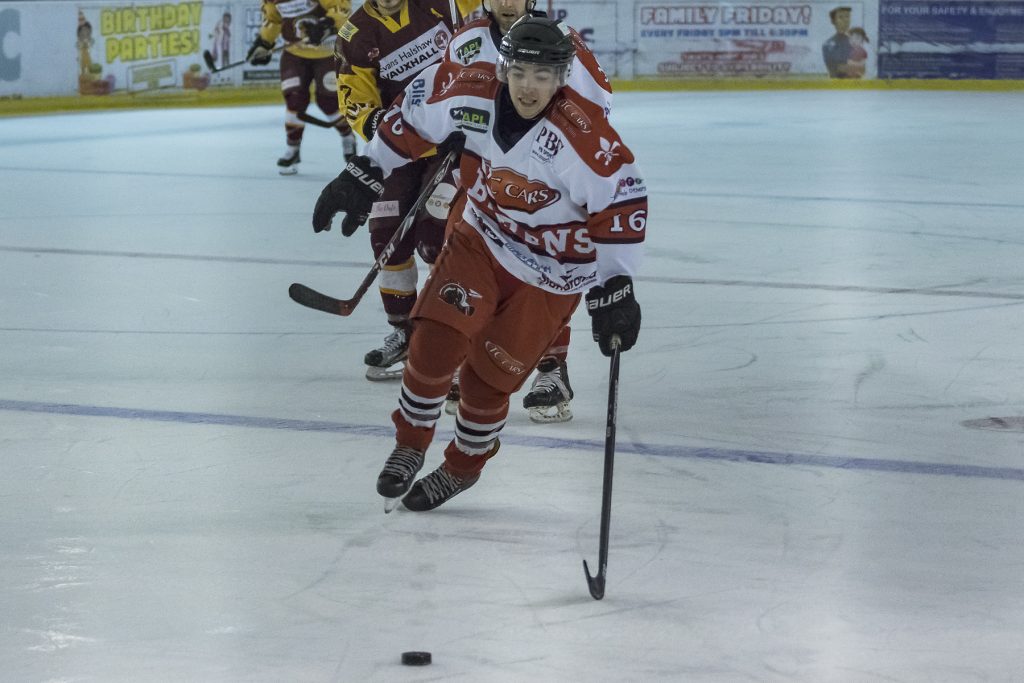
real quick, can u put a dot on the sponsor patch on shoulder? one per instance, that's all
(471, 75)
(576, 115)
(468, 50)
(470, 118)
(347, 31)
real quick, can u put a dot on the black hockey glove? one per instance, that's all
(371, 123)
(354, 191)
(260, 53)
(614, 312)
(320, 29)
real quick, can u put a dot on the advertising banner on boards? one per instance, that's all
(959, 39)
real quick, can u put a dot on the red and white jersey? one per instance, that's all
(564, 208)
(478, 42)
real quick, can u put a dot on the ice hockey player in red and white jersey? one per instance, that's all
(557, 208)
(477, 43)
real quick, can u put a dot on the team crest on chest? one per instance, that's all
(512, 190)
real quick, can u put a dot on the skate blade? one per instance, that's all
(375, 374)
(288, 170)
(390, 504)
(451, 407)
(548, 414)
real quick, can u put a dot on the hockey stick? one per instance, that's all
(596, 583)
(309, 297)
(211, 63)
(303, 116)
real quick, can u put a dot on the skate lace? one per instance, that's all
(403, 462)
(549, 382)
(394, 341)
(440, 484)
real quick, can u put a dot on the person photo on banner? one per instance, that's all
(220, 45)
(836, 50)
(857, 63)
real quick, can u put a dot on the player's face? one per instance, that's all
(531, 87)
(389, 6)
(507, 12)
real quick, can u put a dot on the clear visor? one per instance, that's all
(530, 73)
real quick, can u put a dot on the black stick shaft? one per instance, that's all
(321, 302)
(597, 583)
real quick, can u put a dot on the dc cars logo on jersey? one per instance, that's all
(469, 118)
(513, 190)
(576, 115)
(504, 359)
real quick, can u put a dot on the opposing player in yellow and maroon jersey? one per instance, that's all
(308, 28)
(381, 48)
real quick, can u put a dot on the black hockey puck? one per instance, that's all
(415, 658)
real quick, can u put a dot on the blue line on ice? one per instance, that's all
(688, 452)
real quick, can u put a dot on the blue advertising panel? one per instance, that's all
(951, 39)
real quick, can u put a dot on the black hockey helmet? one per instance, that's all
(537, 40)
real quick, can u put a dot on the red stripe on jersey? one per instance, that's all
(621, 223)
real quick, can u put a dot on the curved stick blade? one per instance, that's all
(301, 294)
(594, 583)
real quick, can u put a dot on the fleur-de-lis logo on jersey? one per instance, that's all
(607, 151)
(449, 81)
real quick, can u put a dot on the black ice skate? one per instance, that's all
(288, 164)
(548, 400)
(381, 361)
(435, 489)
(397, 476)
(440, 486)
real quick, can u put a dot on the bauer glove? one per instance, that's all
(354, 191)
(260, 52)
(614, 312)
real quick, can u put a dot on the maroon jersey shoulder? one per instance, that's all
(453, 79)
(587, 129)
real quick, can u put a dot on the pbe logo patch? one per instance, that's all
(455, 294)
(503, 359)
(467, 51)
(469, 118)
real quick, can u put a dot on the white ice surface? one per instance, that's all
(834, 285)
